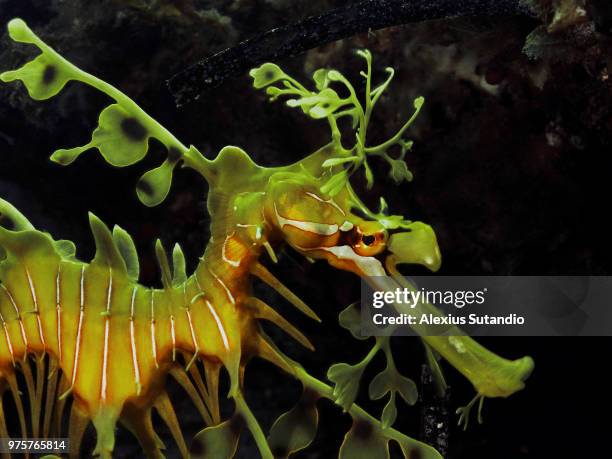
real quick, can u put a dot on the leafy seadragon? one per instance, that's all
(97, 336)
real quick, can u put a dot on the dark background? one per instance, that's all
(512, 165)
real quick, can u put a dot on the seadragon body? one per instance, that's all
(109, 343)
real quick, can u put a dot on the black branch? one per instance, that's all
(294, 39)
(435, 413)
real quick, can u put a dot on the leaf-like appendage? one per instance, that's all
(337, 161)
(121, 138)
(295, 429)
(346, 379)
(319, 105)
(154, 186)
(320, 78)
(124, 129)
(391, 380)
(407, 389)
(179, 273)
(380, 385)
(350, 319)
(266, 74)
(364, 441)
(217, 442)
(42, 77)
(335, 184)
(127, 249)
(325, 102)
(399, 171)
(107, 253)
(164, 264)
(20, 32)
(369, 176)
(389, 413)
(11, 219)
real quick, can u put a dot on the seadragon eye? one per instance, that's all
(369, 244)
(368, 239)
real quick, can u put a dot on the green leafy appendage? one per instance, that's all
(347, 378)
(124, 129)
(324, 102)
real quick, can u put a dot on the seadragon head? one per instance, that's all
(342, 230)
(312, 205)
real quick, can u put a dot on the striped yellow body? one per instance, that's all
(101, 327)
(113, 339)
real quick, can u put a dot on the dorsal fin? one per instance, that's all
(127, 250)
(178, 263)
(164, 264)
(107, 252)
